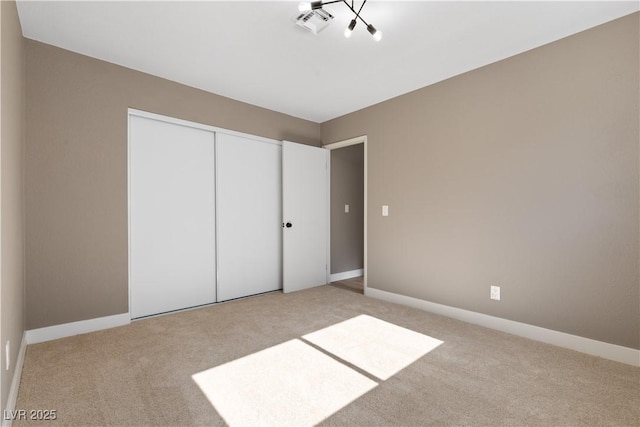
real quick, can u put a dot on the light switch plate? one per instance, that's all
(385, 210)
(346, 208)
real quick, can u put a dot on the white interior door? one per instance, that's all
(249, 201)
(172, 216)
(305, 207)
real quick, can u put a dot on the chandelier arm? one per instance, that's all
(354, 11)
(360, 10)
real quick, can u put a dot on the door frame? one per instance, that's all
(334, 146)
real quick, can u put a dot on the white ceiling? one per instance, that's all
(254, 52)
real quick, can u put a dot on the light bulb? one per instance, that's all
(304, 6)
(377, 35)
(349, 29)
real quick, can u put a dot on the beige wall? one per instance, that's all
(76, 179)
(522, 174)
(347, 229)
(12, 121)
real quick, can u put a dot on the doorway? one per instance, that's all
(348, 216)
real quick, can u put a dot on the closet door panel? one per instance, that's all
(172, 216)
(249, 202)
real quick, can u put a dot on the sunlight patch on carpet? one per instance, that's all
(373, 345)
(288, 384)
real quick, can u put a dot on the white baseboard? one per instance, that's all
(605, 350)
(50, 333)
(12, 397)
(347, 275)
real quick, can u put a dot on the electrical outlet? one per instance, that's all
(495, 293)
(7, 353)
(346, 208)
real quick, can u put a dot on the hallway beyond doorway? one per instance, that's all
(355, 284)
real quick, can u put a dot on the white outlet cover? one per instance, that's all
(385, 210)
(495, 293)
(346, 208)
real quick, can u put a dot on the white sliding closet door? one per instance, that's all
(172, 216)
(249, 204)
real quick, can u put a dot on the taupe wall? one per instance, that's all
(76, 178)
(522, 174)
(347, 229)
(12, 121)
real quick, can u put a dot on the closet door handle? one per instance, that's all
(288, 225)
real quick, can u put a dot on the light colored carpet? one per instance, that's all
(380, 348)
(355, 284)
(143, 374)
(290, 384)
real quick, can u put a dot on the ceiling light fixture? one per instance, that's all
(308, 6)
